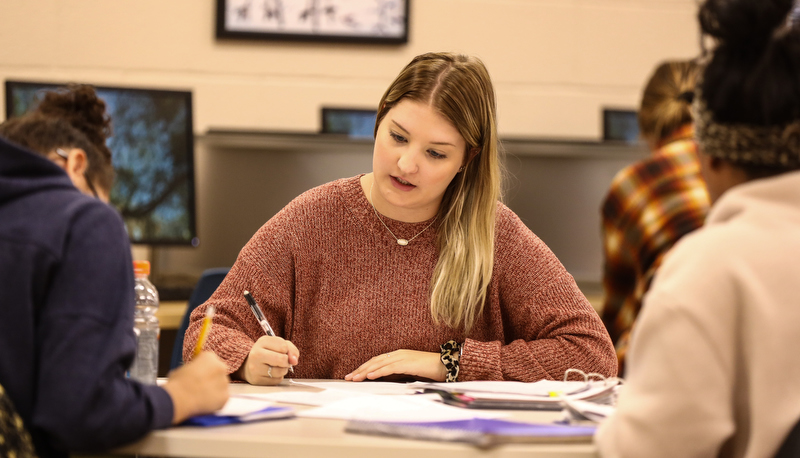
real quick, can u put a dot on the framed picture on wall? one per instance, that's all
(358, 21)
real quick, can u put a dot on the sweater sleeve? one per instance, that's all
(548, 325)
(265, 268)
(84, 400)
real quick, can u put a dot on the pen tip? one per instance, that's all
(247, 293)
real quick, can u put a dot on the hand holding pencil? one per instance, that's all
(198, 387)
(201, 385)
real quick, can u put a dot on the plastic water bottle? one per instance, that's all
(145, 326)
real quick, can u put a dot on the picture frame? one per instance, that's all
(353, 21)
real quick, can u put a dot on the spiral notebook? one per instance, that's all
(481, 432)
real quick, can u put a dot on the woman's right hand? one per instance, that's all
(269, 361)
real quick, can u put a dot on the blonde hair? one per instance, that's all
(667, 100)
(460, 89)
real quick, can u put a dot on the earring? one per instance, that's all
(461, 169)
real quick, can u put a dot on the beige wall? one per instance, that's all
(555, 64)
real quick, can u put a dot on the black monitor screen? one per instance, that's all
(152, 148)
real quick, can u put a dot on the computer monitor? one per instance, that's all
(620, 125)
(152, 148)
(355, 123)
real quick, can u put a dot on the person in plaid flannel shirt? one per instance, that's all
(654, 202)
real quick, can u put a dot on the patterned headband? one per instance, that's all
(746, 144)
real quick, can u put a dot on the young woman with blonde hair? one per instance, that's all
(414, 270)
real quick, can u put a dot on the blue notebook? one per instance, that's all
(481, 432)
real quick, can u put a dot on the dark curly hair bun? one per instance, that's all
(80, 105)
(752, 76)
(744, 23)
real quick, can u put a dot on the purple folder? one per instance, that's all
(481, 432)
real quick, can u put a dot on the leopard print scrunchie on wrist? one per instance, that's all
(451, 351)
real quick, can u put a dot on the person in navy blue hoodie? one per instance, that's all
(66, 313)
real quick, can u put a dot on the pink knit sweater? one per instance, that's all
(331, 279)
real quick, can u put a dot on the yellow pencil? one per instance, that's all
(201, 340)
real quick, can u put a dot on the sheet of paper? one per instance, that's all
(336, 391)
(588, 410)
(308, 398)
(397, 408)
(238, 406)
(367, 387)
